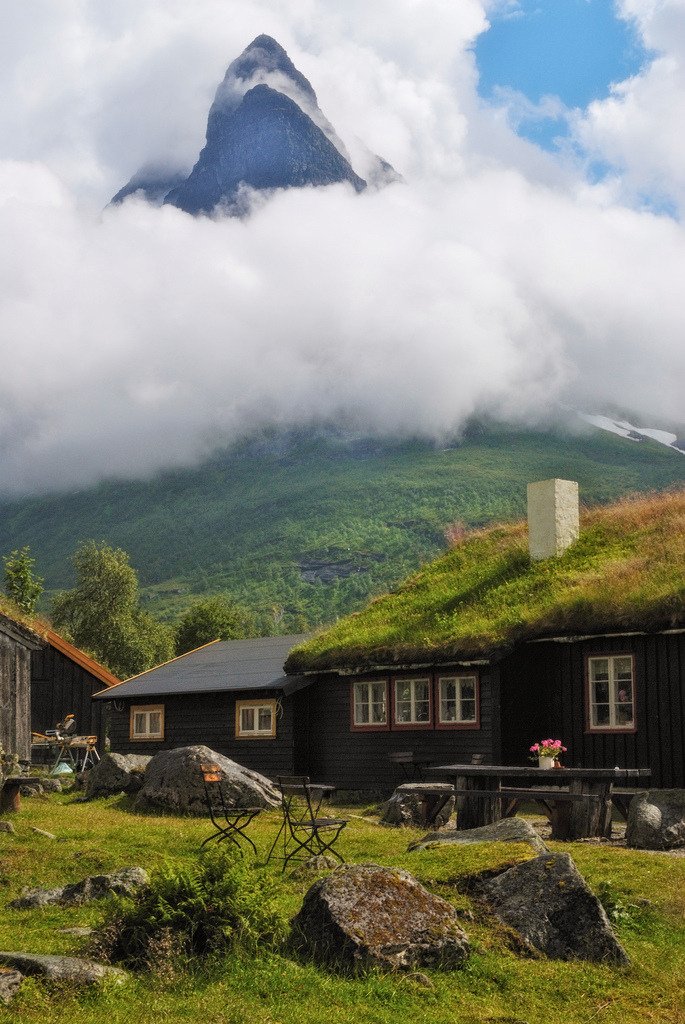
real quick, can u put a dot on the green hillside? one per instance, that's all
(305, 528)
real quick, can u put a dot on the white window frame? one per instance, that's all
(413, 721)
(614, 685)
(459, 679)
(366, 687)
(256, 706)
(147, 710)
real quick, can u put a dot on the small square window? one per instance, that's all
(255, 719)
(147, 722)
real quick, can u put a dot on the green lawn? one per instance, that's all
(498, 985)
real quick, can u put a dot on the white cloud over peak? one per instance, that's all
(496, 278)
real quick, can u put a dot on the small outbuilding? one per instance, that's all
(43, 677)
(229, 695)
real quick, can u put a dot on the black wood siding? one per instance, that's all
(543, 693)
(60, 687)
(15, 696)
(209, 719)
(359, 760)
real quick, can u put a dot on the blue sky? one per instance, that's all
(570, 49)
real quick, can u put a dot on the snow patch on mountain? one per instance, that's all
(628, 430)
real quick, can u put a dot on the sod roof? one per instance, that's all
(625, 573)
(34, 629)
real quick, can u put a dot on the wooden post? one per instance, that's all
(472, 813)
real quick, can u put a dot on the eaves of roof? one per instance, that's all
(93, 667)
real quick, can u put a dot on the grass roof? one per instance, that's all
(21, 618)
(626, 572)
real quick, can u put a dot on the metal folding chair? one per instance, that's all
(236, 818)
(304, 833)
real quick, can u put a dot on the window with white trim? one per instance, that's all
(458, 702)
(147, 722)
(412, 701)
(611, 687)
(370, 703)
(255, 719)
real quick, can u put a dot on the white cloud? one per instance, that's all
(638, 128)
(495, 279)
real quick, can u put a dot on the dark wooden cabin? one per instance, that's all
(230, 695)
(514, 636)
(536, 690)
(43, 678)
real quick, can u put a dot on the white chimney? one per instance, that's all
(553, 517)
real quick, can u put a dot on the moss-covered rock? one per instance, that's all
(367, 916)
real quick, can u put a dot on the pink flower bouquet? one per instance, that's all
(548, 748)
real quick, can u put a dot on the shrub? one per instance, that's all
(197, 910)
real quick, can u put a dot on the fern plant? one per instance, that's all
(198, 909)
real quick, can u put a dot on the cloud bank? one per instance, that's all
(497, 279)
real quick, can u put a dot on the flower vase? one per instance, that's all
(545, 762)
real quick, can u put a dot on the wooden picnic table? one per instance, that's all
(577, 801)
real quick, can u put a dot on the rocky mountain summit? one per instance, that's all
(265, 131)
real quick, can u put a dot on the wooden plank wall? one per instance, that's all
(543, 689)
(60, 687)
(209, 719)
(15, 697)
(359, 760)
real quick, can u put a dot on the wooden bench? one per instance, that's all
(622, 798)
(556, 803)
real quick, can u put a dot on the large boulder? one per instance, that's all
(507, 830)
(656, 820)
(61, 968)
(552, 907)
(95, 887)
(419, 804)
(116, 773)
(173, 782)
(367, 916)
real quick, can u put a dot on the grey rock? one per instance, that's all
(79, 933)
(61, 968)
(366, 916)
(10, 980)
(414, 803)
(51, 785)
(173, 782)
(656, 820)
(7, 826)
(507, 830)
(33, 790)
(95, 887)
(42, 832)
(116, 773)
(552, 907)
